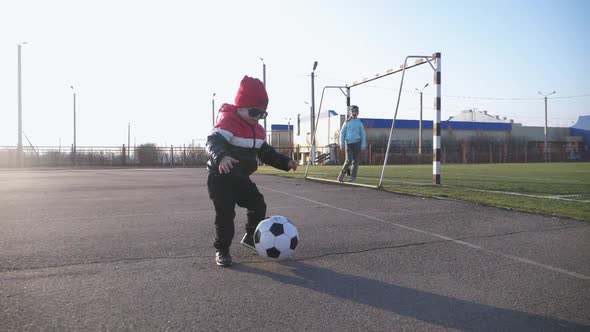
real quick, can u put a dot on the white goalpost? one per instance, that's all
(434, 61)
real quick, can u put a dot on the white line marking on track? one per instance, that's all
(519, 194)
(555, 197)
(443, 237)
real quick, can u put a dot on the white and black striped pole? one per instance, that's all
(436, 130)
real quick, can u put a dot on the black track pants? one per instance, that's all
(226, 191)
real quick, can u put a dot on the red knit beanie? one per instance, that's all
(251, 94)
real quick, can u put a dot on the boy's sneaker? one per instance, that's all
(352, 179)
(222, 257)
(341, 177)
(248, 242)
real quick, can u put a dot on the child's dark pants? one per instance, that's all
(226, 191)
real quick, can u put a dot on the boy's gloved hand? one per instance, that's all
(226, 164)
(293, 164)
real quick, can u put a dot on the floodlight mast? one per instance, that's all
(19, 148)
(74, 147)
(545, 150)
(312, 118)
(264, 82)
(420, 122)
(213, 110)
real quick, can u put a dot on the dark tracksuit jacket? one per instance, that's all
(234, 137)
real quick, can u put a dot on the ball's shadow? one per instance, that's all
(424, 306)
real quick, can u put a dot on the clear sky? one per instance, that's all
(156, 64)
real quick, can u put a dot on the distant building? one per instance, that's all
(281, 136)
(473, 115)
(582, 128)
(469, 128)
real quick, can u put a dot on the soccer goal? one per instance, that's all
(434, 61)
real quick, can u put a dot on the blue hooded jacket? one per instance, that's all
(353, 131)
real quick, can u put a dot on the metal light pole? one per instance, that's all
(329, 127)
(545, 150)
(128, 140)
(213, 109)
(264, 83)
(312, 118)
(74, 147)
(310, 139)
(289, 131)
(19, 149)
(420, 123)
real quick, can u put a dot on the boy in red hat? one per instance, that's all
(233, 147)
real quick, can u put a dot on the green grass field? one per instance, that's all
(556, 189)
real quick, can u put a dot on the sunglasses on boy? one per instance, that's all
(257, 112)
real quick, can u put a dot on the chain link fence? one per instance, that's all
(147, 155)
(472, 152)
(150, 155)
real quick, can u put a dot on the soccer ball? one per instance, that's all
(276, 238)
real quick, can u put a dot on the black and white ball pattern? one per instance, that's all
(276, 237)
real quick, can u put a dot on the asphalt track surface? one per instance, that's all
(127, 249)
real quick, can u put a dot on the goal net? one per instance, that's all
(390, 140)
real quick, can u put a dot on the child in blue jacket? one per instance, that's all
(353, 135)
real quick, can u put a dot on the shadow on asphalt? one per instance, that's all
(424, 306)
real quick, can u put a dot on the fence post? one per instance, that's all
(505, 152)
(124, 156)
(463, 155)
(172, 155)
(404, 156)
